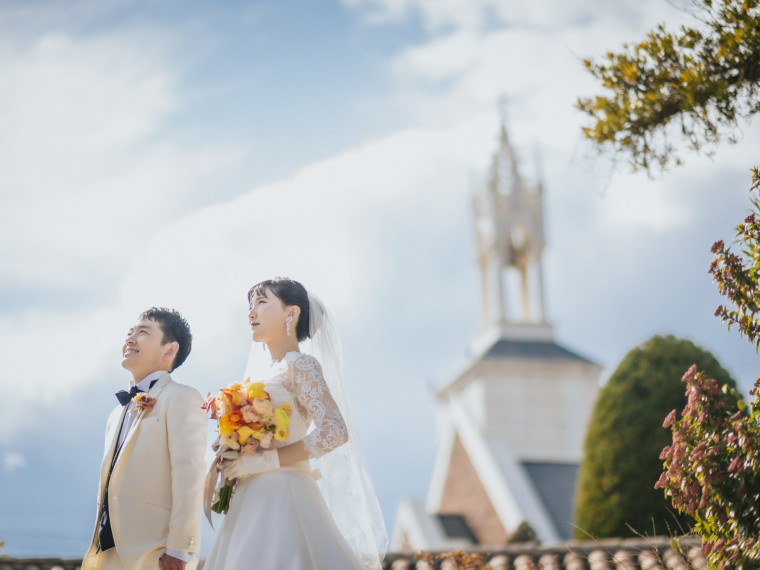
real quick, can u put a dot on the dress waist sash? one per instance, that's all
(303, 467)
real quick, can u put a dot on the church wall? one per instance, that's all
(538, 409)
(465, 494)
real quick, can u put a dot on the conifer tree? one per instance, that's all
(621, 462)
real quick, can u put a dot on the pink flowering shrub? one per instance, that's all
(711, 470)
(737, 275)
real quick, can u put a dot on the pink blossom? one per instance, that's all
(698, 452)
(690, 373)
(670, 419)
(735, 465)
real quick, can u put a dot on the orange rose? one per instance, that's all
(231, 397)
(230, 422)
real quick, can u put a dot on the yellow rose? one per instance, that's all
(256, 390)
(243, 434)
(240, 389)
(281, 419)
(281, 434)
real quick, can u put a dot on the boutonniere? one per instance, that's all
(143, 402)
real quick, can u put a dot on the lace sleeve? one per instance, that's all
(313, 396)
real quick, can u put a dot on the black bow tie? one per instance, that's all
(124, 396)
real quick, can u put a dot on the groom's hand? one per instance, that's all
(167, 562)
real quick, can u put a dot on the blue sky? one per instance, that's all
(174, 153)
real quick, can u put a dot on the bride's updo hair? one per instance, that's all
(290, 293)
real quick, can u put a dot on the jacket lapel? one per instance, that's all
(133, 429)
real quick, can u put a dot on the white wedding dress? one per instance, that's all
(279, 520)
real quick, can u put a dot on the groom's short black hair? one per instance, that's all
(175, 329)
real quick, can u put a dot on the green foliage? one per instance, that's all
(699, 80)
(616, 495)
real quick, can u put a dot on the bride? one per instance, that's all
(282, 514)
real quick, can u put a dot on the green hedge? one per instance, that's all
(621, 463)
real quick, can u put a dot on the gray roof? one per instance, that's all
(555, 485)
(630, 554)
(533, 349)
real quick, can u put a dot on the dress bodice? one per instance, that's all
(298, 423)
(316, 419)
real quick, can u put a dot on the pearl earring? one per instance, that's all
(288, 320)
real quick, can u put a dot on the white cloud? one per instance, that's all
(14, 461)
(337, 225)
(84, 159)
(549, 15)
(90, 176)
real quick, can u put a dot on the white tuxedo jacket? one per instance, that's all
(156, 487)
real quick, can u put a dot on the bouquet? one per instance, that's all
(246, 420)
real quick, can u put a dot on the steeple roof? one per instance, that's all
(531, 349)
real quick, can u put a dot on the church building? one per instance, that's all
(510, 425)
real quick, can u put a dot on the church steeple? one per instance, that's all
(511, 425)
(510, 241)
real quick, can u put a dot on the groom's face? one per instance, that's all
(143, 351)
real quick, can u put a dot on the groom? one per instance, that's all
(151, 479)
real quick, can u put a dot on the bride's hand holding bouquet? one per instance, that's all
(247, 423)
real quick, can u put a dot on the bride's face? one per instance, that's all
(267, 316)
